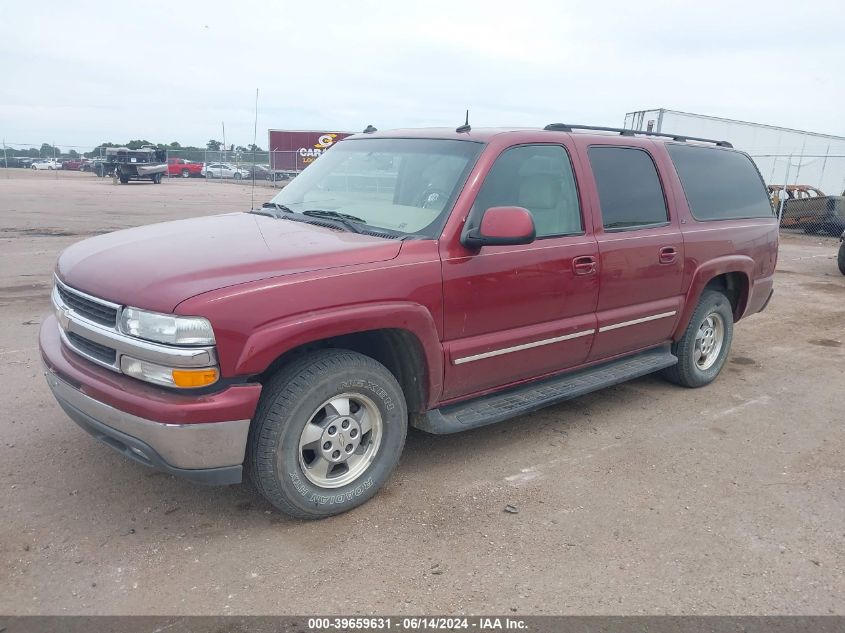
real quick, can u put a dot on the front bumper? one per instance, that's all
(200, 437)
(204, 453)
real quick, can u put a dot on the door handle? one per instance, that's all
(584, 265)
(668, 254)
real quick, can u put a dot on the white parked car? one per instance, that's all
(46, 164)
(224, 170)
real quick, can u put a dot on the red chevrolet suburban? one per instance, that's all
(444, 279)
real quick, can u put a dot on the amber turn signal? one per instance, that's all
(194, 377)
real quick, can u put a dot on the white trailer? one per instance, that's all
(783, 155)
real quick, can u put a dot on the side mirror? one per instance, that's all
(501, 226)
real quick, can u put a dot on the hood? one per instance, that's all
(157, 267)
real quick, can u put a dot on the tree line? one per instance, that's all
(189, 152)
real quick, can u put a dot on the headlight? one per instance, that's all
(166, 328)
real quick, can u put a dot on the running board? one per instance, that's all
(536, 395)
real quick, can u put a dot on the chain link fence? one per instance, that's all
(807, 191)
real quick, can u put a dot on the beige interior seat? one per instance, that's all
(554, 213)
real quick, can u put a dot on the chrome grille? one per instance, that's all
(89, 327)
(87, 307)
(93, 350)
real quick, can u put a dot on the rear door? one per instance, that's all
(641, 250)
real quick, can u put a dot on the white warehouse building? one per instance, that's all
(783, 155)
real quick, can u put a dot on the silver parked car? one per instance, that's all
(224, 170)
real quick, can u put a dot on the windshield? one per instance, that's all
(401, 185)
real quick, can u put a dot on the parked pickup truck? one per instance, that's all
(808, 208)
(442, 279)
(73, 164)
(183, 168)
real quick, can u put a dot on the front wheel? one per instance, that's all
(704, 347)
(841, 259)
(238, 176)
(186, 173)
(328, 432)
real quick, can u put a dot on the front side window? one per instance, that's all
(538, 178)
(401, 185)
(629, 189)
(721, 184)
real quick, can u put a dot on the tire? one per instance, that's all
(209, 175)
(237, 176)
(278, 461)
(840, 260)
(693, 369)
(186, 173)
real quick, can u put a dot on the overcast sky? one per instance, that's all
(77, 73)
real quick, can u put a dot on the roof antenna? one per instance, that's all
(370, 129)
(465, 127)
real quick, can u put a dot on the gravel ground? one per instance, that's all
(643, 498)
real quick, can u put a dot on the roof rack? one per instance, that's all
(568, 127)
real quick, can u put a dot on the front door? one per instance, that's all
(518, 312)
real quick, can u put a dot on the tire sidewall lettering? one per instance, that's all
(333, 498)
(371, 387)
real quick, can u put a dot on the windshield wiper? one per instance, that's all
(276, 205)
(323, 213)
(271, 205)
(344, 219)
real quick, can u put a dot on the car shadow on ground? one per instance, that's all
(429, 460)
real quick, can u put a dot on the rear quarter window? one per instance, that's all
(720, 184)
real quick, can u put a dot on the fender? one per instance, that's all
(268, 343)
(701, 277)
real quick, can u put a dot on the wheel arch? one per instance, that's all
(730, 275)
(405, 340)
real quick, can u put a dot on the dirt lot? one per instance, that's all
(644, 498)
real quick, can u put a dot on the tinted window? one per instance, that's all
(720, 184)
(629, 189)
(538, 178)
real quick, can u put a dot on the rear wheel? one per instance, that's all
(186, 173)
(238, 176)
(328, 432)
(841, 259)
(705, 345)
